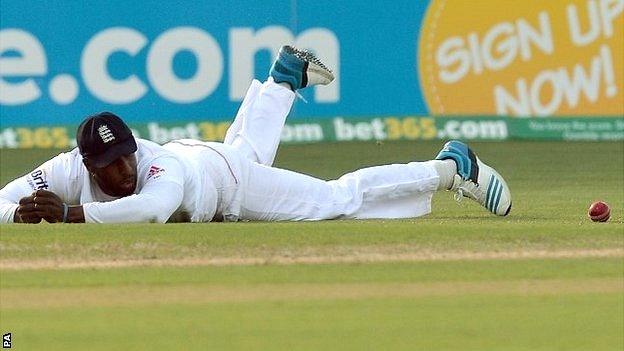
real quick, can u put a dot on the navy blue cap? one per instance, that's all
(103, 138)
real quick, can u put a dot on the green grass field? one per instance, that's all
(543, 278)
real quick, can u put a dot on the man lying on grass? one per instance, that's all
(113, 177)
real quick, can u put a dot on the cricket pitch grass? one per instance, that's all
(543, 278)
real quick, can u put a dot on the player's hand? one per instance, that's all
(26, 211)
(42, 204)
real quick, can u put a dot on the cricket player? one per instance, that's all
(113, 177)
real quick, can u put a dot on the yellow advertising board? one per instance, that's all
(523, 58)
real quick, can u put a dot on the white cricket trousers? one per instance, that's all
(265, 193)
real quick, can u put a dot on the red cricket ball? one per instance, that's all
(599, 211)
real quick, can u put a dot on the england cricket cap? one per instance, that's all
(103, 138)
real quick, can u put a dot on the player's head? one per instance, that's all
(107, 148)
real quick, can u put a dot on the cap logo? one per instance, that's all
(105, 133)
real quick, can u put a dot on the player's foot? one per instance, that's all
(476, 180)
(299, 68)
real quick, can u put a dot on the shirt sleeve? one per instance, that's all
(53, 176)
(9, 198)
(161, 194)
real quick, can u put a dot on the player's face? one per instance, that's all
(118, 178)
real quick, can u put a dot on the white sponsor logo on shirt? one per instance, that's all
(105, 134)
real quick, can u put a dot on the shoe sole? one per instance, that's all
(326, 75)
(313, 66)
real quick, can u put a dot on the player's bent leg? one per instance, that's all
(300, 69)
(258, 125)
(476, 180)
(233, 134)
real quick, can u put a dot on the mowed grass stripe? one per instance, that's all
(26, 298)
(393, 272)
(365, 257)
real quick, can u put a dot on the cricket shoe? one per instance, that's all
(476, 180)
(299, 68)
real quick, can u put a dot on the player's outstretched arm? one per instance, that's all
(155, 203)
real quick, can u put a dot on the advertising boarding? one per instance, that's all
(404, 69)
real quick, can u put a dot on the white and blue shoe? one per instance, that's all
(476, 180)
(299, 68)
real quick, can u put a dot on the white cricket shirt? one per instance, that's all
(170, 186)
